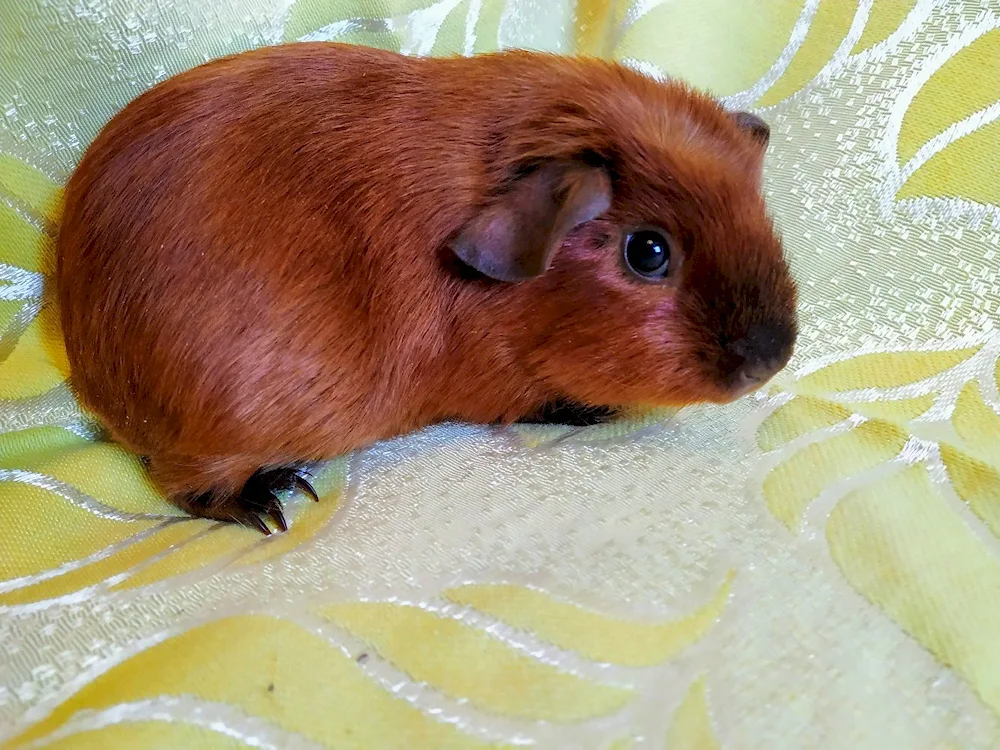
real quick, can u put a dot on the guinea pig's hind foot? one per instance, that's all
(257, 500)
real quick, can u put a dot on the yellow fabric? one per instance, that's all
(814, 567)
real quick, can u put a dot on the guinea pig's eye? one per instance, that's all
(647, 253)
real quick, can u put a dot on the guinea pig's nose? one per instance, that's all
(762, 353)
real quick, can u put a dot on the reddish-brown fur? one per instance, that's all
(253, 267)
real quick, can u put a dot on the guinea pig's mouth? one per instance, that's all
(753, 360)
(747, 383)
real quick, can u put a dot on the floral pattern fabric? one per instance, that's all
(817, 566)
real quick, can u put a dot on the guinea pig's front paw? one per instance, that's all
(571, 414)
(257, 500)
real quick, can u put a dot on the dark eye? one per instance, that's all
(647, 253)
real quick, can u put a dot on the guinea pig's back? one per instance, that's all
(215, 260)
(250, 248)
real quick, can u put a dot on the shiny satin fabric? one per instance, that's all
(817, 566)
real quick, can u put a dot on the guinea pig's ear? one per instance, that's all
(758, 130)
(515, 236)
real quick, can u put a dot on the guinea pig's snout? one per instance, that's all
(759, 356)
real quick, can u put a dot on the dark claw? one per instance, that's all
(303, 484)
(256, 521)
(274, 511)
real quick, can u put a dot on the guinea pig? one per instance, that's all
(281, 256)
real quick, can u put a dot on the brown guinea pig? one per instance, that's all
(284, 255)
